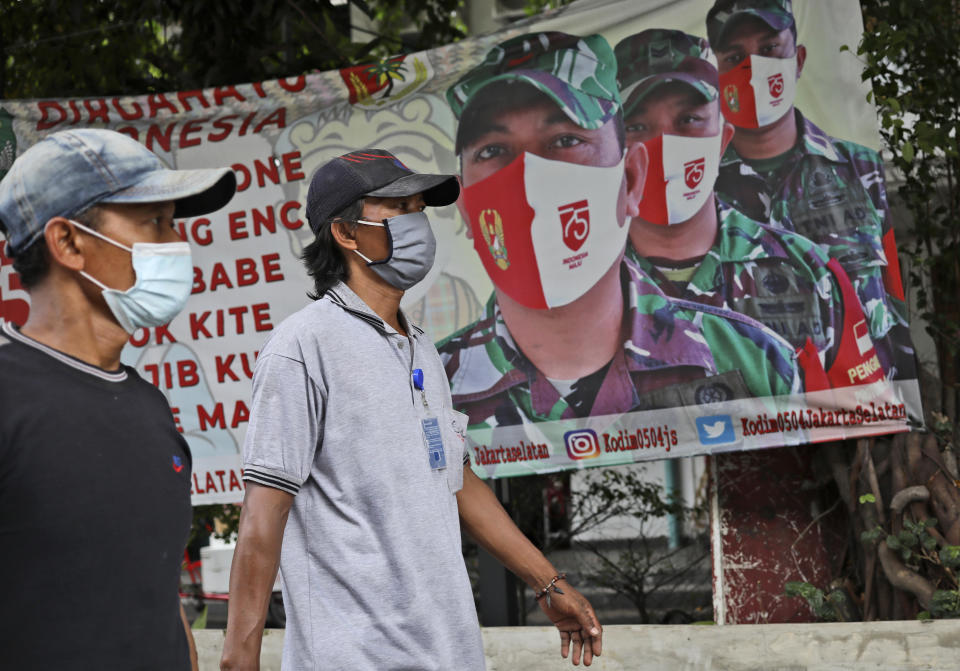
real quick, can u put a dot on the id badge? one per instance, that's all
(433, 437)
(430, 425)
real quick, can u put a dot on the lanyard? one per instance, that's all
(430, 425)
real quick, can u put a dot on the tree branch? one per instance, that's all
(902, 577)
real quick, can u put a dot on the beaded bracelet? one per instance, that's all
(552, 585)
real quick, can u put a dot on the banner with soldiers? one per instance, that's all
(673, 236)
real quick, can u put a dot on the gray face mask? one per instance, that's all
(412, 250)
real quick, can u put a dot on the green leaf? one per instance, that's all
(201, 621)
(868, 498)
(924, 615)
(945, 603)
(893, 542)
(906, 151)
(821, 606)
(908, 539)
(804, 589)
(929, 543)
(950, 556)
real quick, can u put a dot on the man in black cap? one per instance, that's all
(94, 476)
(355, 461)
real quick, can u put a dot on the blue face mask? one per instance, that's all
(164, 279)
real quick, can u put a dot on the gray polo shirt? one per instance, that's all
(373, 574)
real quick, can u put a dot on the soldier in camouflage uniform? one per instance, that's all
(717, 255)
(788, 172)
(552, 98)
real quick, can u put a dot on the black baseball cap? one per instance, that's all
(371, 172)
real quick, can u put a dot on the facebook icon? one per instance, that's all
(716, 430)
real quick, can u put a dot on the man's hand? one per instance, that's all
(574, 617)
(485, 519)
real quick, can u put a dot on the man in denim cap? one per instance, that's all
(94, 476)
(572, 329)
(697, 248)
(784, 170)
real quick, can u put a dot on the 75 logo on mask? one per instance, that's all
(775, 82)
(575, 220)
(693, 172)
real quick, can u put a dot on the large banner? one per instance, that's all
(602, 293)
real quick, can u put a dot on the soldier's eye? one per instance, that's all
(487, 152)
(733, 58)
(637, 127)
(567, 141)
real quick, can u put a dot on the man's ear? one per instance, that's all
(636, 167)
(344, 234)
(65, 244)
(801, 58)
(726, 135)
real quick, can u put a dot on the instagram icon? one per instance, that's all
(582, 444)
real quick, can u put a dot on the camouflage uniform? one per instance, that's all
(832, 192)
(677, 354)
(776, 277)
(779, 278)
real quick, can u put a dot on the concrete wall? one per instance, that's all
(877, 646)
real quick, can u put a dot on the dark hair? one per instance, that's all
(323, 258)
(33, 263)
(507, 96)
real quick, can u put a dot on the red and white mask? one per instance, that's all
(758, 91)
(681, 175)
(546, 231)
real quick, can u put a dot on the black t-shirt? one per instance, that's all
(94, 515)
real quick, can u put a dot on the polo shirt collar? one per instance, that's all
(342, 295)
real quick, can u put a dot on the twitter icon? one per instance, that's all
(716, 430)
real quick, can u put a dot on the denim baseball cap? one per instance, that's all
(371, 172)
(658, 56)
(578, 73)
(69, 171)
(778, 14)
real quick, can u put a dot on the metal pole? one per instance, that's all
(498, 591)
